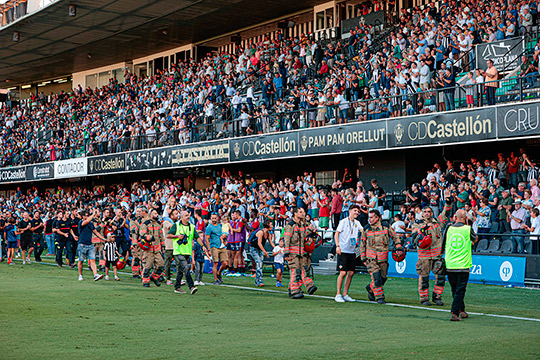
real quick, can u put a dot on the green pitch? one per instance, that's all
(45, 313)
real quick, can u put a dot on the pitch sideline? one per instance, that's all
(331, 298)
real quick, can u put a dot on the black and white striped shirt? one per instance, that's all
(110, 251)
(532, 173)
(492, 175)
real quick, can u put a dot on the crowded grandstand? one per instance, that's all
(182, 144)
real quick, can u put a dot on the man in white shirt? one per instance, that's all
(464, 47)
(517, 219)
(425, 76)
(340, 100)
(346, 238)
(250, 98)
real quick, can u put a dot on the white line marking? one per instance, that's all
(331, 298)
(389, 304)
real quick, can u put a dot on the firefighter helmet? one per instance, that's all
(121, 263)
(144, 244)
(425, 242)
(398, 254)
(313, 241)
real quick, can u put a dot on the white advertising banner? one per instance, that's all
(70, 168)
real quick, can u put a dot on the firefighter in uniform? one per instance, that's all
(431, 227)
(62, 229)
(136, 252)
(374, 247)
(150, 231)
(294, 235)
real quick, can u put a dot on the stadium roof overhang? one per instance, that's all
(103, 32)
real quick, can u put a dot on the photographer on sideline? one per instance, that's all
(183, 233)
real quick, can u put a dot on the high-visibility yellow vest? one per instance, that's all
(458, 249)
(189, 231)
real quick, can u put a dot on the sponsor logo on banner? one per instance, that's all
(41, 171)
(374, 18)
(442, 128)
(107, 164)
(353, 137)
(486, 269)
(149, 159)
(401, 266)
(200, 154)
(13, 174)
(398, 132)
(518, 120)
(264, 147)
(506, 271)
(70, 168)
(503, 53)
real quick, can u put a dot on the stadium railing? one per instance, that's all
(201, 128)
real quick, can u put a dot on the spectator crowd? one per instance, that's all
(501, 196)
(275, 85)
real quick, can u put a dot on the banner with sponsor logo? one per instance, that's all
(442, 128)
(70, 168)
(503, 53)
(13, 174)
(490, 123)
(149, 159)
(107, 164)
(199, 154)
(520, 119)
(336, 139)
(40, 171)
(486, 269)
(374, 18)
(264, 146)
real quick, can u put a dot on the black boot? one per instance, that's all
(156, 281)
(370, 295)
(312, 290)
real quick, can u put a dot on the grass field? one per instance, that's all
(45, 313)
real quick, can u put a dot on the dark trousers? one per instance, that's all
(60, 246)
(4, 247)
(71, 250)
(183, 263)
(505, 226)
(38, 246)
(335, 220)
(458, 282)
(168, 262)
(123, 246)
(490, 93)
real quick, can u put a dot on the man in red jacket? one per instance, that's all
(335, 211)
